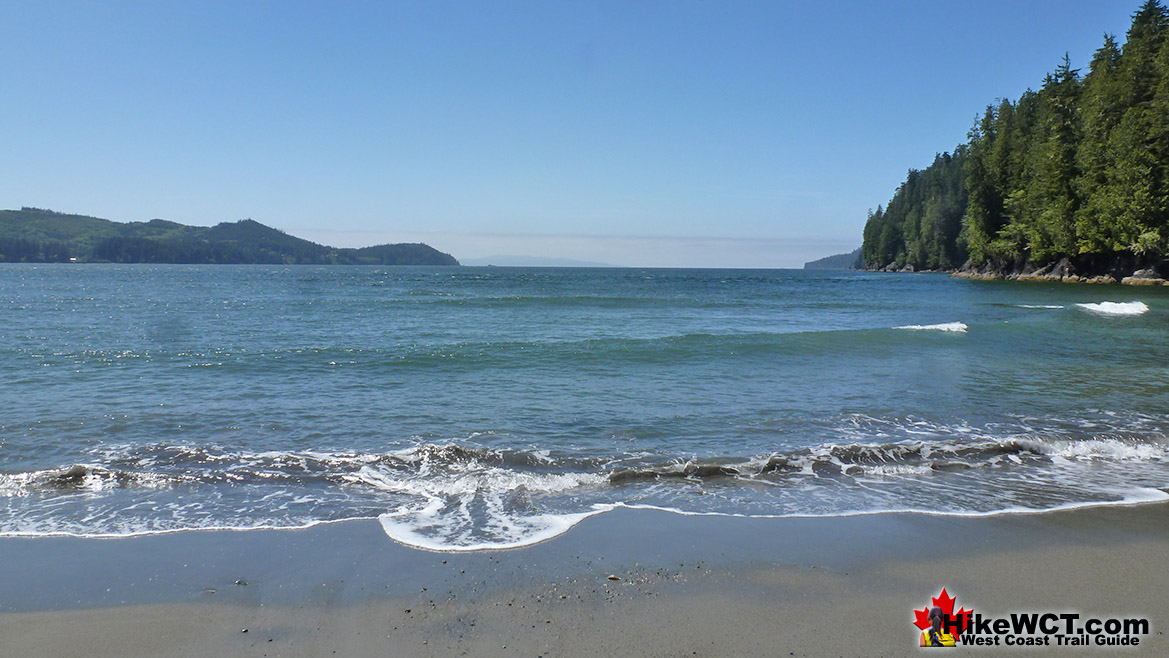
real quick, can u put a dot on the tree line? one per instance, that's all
(1078, 169)
(24, 250)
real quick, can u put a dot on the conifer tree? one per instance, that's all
(1102, 106)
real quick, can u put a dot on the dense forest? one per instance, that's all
(1076, 173)
(36, 235)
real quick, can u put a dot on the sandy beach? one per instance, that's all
(626, 583)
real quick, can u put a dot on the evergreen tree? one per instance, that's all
(1102, 106)
(1052, 201)
(984, 210)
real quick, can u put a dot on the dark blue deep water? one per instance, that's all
(485, 407)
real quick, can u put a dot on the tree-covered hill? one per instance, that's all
(38, 235)
(849, 261)
(1076, 173)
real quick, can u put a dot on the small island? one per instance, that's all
(37, 235)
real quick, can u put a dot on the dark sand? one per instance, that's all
(688, 586)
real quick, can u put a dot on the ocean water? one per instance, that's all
(469, 408)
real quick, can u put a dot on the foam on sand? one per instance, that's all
(465, 500)
(953, 327)
(415, 529)
(1116, 308)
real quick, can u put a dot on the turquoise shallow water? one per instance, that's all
(485, 407)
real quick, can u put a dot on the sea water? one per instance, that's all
(472, 408)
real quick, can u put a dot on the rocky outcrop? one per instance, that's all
(1145, 277)
(1064, 271)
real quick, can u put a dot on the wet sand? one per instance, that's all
(625, 583)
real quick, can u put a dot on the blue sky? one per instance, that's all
(654, 134)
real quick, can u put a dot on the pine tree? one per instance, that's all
(985, 206)
(1051, 225)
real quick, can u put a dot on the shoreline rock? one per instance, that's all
(1106, 279)
(1090, 270)
(1060, 272)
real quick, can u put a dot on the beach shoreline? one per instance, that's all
(626, 583)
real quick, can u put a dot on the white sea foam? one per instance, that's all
(409, 529)
(459, 498)
(1116, 308)
(549, 526)
(1098, 448)
(483, 480)
(955, 327)
(896, 469)
(79, 478)
(467, 505)
(1125, 498)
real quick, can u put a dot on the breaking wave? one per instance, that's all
(463, 496)
(955, 327)
(78, 477)
(1116, 308)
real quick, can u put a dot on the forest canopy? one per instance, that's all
(1077, 170)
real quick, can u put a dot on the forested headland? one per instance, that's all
(1067, 182)
(36, 235)
(850, 261)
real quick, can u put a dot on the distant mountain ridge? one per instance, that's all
(37, 235)
(849, 261)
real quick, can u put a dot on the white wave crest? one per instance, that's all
(472, 480)
(894, 470)
(1099, 448)
(470, 505)
(1116, 308)
(88, 478)
(955, 327)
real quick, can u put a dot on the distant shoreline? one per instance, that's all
(38, 235)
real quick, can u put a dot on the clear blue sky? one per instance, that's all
(658, 134)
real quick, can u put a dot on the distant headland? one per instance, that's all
(850, 261)
(37, 235)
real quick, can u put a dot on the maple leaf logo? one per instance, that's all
(946, 603)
